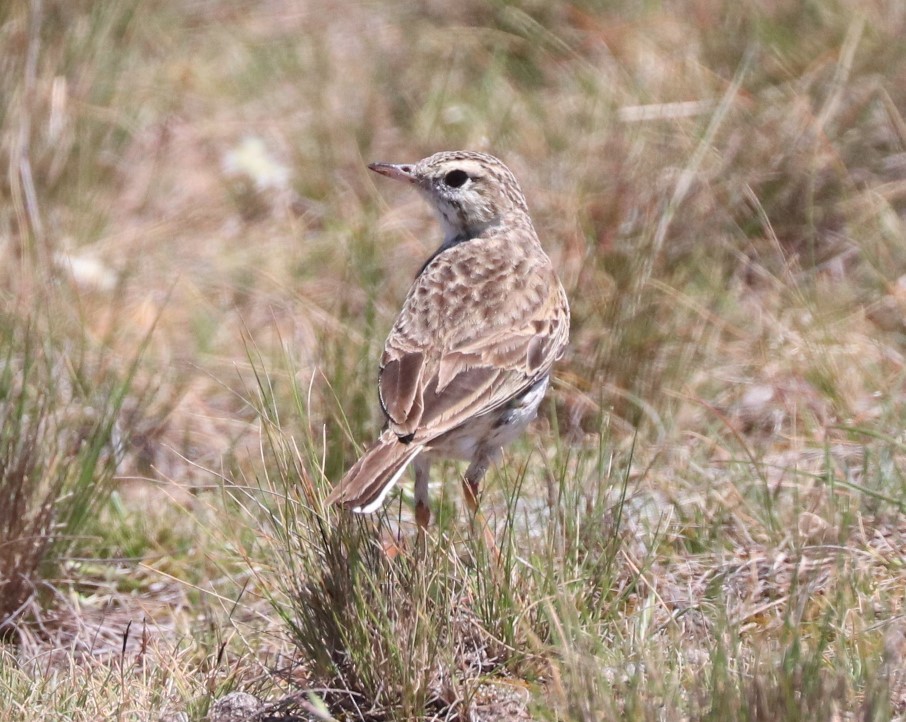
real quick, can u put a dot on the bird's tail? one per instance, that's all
(367, 483)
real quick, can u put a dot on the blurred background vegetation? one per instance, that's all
(197, 273)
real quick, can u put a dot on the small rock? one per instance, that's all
(235, 707)
(812, 528)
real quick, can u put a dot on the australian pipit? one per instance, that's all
(470, 355)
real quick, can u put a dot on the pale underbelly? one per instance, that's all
(491, 431)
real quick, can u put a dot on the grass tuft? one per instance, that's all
(62, 436)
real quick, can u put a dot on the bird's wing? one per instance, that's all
(461, 351)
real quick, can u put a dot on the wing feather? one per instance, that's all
(400, 386)
(444, 364)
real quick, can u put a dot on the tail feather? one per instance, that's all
(368, 482)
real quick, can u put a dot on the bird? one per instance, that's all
(468, 359)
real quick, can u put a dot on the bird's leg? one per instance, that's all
(472, 481)
(422, 510)
(470, 486)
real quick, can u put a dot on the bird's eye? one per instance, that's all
(456, 178)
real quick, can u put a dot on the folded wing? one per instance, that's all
(428, 388)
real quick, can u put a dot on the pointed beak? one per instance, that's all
(403, 172)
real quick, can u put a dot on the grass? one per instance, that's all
(63, 427)
(197, 274)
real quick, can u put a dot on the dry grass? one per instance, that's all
(707, 522)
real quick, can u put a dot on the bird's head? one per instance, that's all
(470, 191)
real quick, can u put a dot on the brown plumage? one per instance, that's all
(469, 357)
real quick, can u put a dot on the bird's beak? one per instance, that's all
(403, 172)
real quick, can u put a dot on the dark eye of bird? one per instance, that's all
(456, 178)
